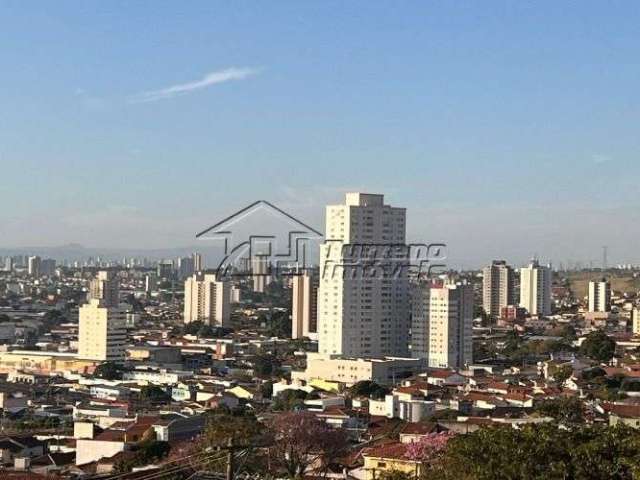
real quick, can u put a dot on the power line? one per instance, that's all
(204, 455)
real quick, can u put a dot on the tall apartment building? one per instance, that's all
(207, 300)
(497, 288)
(535, 289)
(442, 324)
(260, 272)
(361, 314)
(33, 266)
(150, 282)
(48, 267)
(198, 264)
(165, 270)
(185, 267)
(304, 308)
(600, 296)
(102, 333)
(105, 287)
(8, 264)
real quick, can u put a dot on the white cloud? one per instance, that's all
(212, 78)
(599, 158)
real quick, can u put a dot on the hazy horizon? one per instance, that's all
(506, 132)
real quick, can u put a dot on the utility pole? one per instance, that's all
(604, 258)
(230, 466)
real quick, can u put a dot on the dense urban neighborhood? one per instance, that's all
(141, 368)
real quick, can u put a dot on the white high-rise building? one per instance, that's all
(304, 308)
(33, 266)
(362, 313)
(207, 300)
(150, 282)
(442, 324)
(102, 332)
(497, 288)
(535, 289)
(198, 264)
(185, 267)
(260, 272)
(105, 287)
(600, 296)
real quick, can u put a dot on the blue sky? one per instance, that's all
(507, 129)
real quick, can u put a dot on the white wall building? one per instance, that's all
(497, 288)
(207, 300)
(337, 368)
(599, 296)
(33, 266)
(101, 332)
(304, 308)
(361, 314)
(535, 289)
(442, 324)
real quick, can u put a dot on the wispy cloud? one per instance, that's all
(599, 158)
(210, 79)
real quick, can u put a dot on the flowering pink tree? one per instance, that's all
(301, 440)
(429, 448)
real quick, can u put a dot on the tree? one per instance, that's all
(367, 388)
(569, 410)
(429, 449)
(290, 399)
(108, 371)
(562, 374)
(155, 394)
(266, 389)
(395, 475)
(279, 324)
(239, 428)
(301, 440)
(541, 451)
(148, 452)
(598, 346)
(192, 328)
(265, 365)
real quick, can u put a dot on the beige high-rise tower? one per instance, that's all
(105, 287)
(535, 289)
(600, 296)
(101, 332)
(362, 315)
(497, 288)
(442, 324)
(260, 272)
(207, 300)
(304, 308)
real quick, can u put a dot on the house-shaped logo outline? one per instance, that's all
(296, 243)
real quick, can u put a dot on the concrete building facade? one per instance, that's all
(497, 288)
(535, 289)
(442, 324)
(362, 314)
(102, 333)
(599, 296)
(207, 300)
(304, 308)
